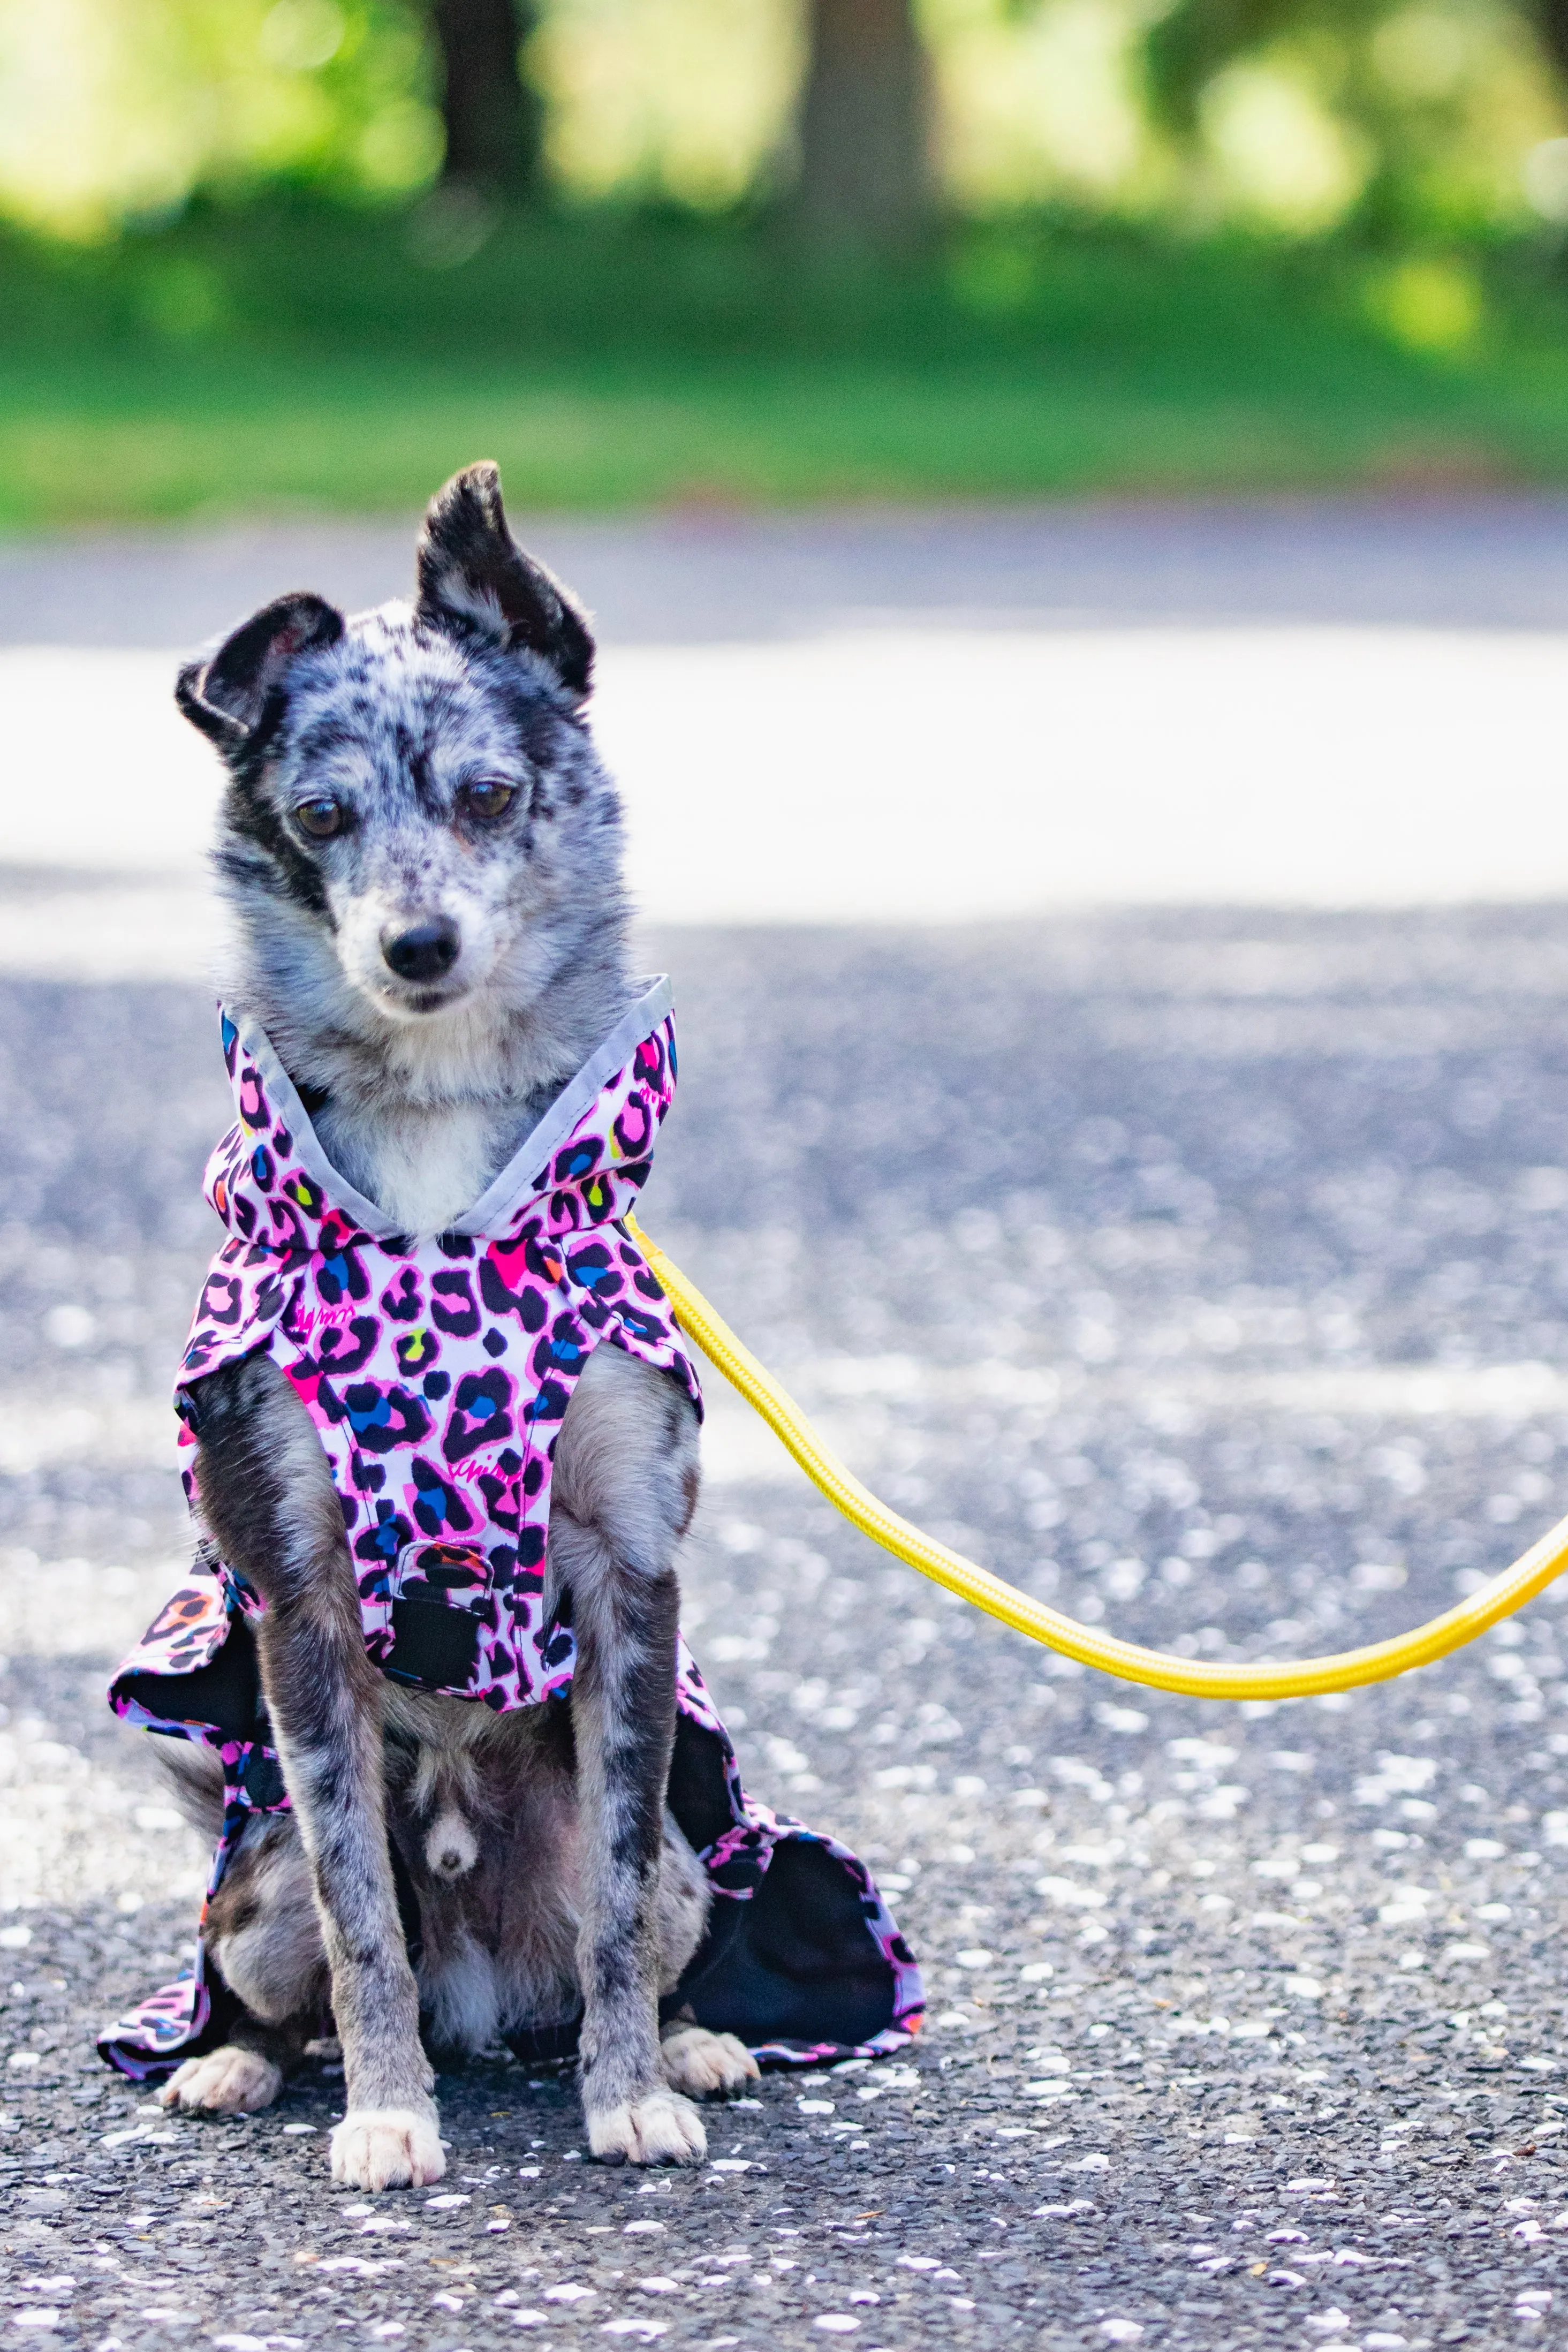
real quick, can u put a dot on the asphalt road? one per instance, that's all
(1205, 1273)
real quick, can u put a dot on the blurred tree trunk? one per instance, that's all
(865, 121)
(495, 121)
(1551, 17)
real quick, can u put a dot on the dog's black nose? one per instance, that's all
(425, 950)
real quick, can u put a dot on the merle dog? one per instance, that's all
(420, 856)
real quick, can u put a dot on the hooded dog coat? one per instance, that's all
(437, 1374)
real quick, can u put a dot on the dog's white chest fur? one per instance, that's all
(423, 1167)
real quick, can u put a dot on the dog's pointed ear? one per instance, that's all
(472, 572)
(226, 694)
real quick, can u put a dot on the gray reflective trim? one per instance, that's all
(500, 1199)
(281, 1090)
(494, 1207)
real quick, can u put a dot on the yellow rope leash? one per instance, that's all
(1377, 1664)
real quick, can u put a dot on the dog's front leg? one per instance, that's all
(623, 1720)
(269, 1498)
(624, 1488)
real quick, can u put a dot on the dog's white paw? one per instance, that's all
(227, 2082)
(661, 2127)
(386, 2147)
(701, 2063)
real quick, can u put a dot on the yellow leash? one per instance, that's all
(1377, 1664)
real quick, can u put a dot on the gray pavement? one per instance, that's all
(1204, 1273)
(709, 578)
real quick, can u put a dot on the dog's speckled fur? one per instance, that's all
(549, 1876)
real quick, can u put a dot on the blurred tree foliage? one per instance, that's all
(1424, 111)
(112, 111)
(1423, 123)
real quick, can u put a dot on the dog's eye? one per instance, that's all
(320, 819)
(487, 799)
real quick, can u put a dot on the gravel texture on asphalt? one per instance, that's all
(1204, 1273)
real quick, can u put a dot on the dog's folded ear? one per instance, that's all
(226, 694)
(473, 572)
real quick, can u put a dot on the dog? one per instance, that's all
(420, 855)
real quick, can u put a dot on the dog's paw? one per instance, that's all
(227, 2082)
(661, 2127)
(386, 2147)
(703, 2063)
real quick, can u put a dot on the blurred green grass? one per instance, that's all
(292, 356)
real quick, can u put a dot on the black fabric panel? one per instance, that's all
(225, 1691)
(261, 1777)
(697, 1796)
(432, 1645)
(796, 1960)
(796, 1963)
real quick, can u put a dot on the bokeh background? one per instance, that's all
(1072, 494)
(263, 252)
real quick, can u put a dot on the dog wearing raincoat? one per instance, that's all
(425, 1684)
